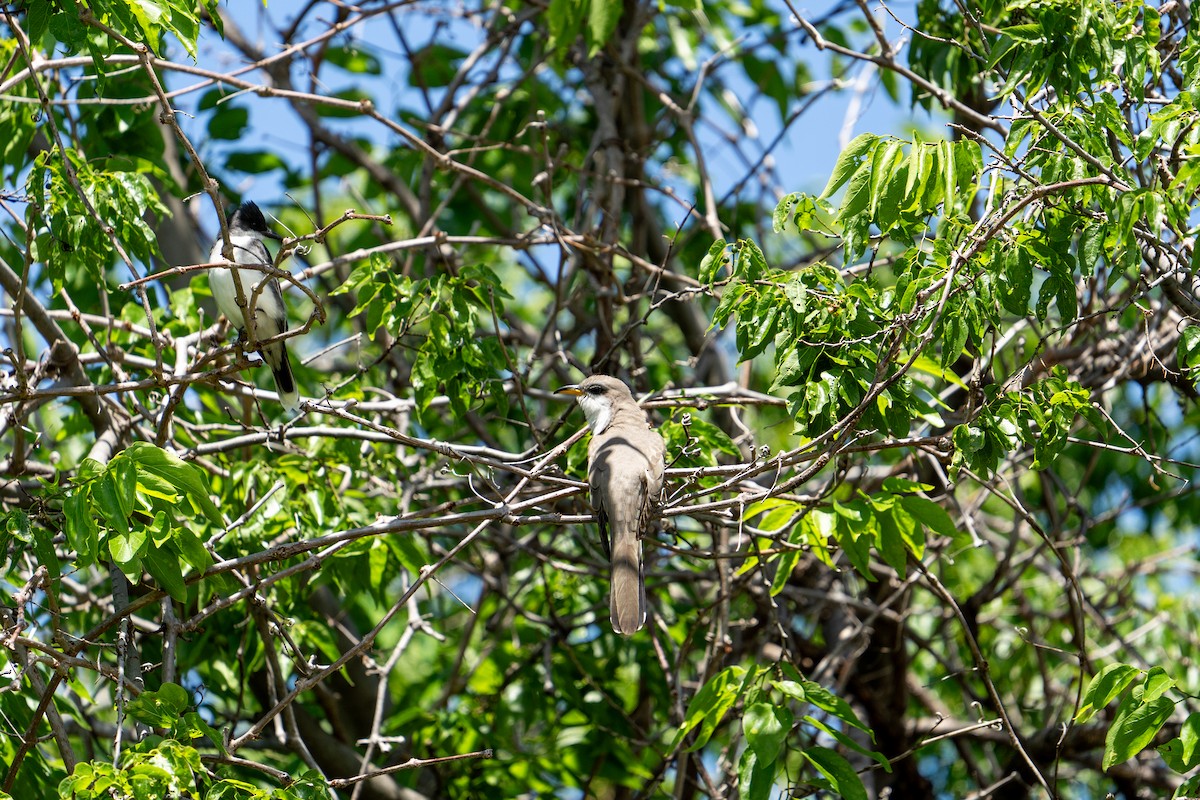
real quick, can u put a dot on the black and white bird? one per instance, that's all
(247, 227)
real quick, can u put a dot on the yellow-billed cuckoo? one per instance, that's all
(625, 473)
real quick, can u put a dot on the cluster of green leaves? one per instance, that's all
(889, 192)
(1041, 417)
(809, 532)
(140, 509)
(1142, 712)
(694, 442)
(1075, 49)
(1071, 46)
(770, 728)
(830, 334)
(1092, 224)
(452, 317)
(17, 121)
(1188, 355)
(148, 23)
(167, 708)
(895, 196)
(167, 765)
(828, 338)
(316, 498)
(594, 20)
(156, 768)
(75, 238)
(893, 521)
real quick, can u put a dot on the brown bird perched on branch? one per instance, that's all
(625, 473)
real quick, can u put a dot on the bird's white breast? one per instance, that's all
(598, 411)
(247, 249)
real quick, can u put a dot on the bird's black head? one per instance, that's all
(249, 217)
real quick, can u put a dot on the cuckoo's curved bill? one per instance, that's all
(625, 473)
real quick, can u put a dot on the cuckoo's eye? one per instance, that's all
(595, 390)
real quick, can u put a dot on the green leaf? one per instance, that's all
(781, 215)
(68, 29)
(1091, 248)
(1015, 278)
(1061, 287)
(858, 196)
(187, 478)
(255, 162)
(946, 152)
(193, 726)
(125, 549)
(849, 161)
(163, 566)
(1182, 753)
(37, 20)
(106, 497)
(766, 726)
(827, 701)
(603, 16)
(931, 515)
(787, 563)
(755, 778)
(160, 708)
(81, 531)
(1103, 688)
(756, 330)
(713, 260)
(17, 526)
(848, 741)
(855, 529)
(353, 59)
(1134, 727)
(1157, 682)
(890, 542)
(1030, 32)
(837, 770)
(999, 50)
(883, 169)
(775, 513)
(1189, 347)
(406, 550)
(233, 789)
(43, 548)
(561, 20)
(914, 169)
(710, 705)
(228, 123)
(435, 65)
(954, 330)
(751, 263)
(793, 689)
(191, 547)
(1188, 789)
(125, 478)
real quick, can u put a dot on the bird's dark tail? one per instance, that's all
(277, 359)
